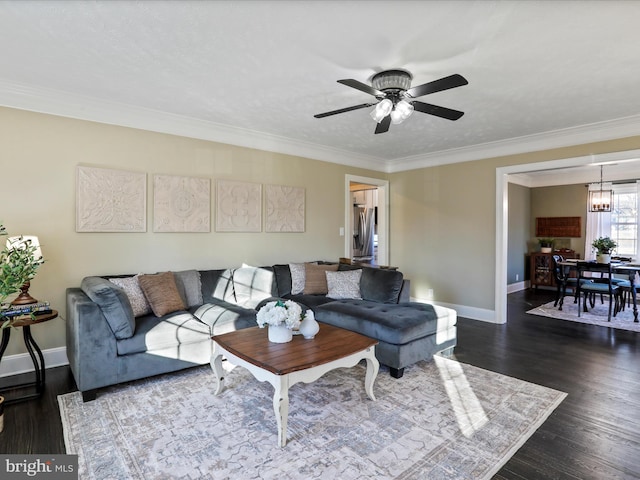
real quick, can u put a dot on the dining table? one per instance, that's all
(622, 268)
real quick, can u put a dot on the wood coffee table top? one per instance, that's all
(330, 343)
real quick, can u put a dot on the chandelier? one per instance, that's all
(600, 200)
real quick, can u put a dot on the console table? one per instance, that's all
(542, 267)
(34, 352)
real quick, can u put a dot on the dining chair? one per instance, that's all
(624, 293)
(563, 281)
(603, 286)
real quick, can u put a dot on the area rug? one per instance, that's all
(441, 420)
(595, 316)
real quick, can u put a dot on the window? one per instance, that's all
(624, 219)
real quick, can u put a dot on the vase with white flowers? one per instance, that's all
(282, 317)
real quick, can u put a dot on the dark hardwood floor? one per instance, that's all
(593, 434)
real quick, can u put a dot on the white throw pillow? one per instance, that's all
(344, 284)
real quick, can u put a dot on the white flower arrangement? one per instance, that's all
(287, 313)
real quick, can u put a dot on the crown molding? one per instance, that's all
(55, 102)
(591, 133)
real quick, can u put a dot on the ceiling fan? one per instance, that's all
(395, 97)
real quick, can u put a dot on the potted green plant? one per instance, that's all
(546, 245)
(603, 247)
(17, 267)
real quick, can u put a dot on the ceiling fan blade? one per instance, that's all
(363, 87)
(343, 110)
(452, 81)
(442, 112)
(383, 126)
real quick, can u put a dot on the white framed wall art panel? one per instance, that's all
(284, 208)
(109, 200)
(238, 206)
(181, 204)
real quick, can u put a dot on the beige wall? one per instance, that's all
(442, 231)
(443, 223)
(442, 219)
(560, 201)
(39, 155)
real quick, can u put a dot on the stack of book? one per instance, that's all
(10, 311)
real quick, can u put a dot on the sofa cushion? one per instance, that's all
(395, 324)
(162, 293)
(223, 317)
(153, 333)
(136, 298)
(189, 287)
(315, 281)
(380, 285)
(252, 285)
(217, 285)
(309, 301)
(114, 304)
(344, 284)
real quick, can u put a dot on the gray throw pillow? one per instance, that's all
(380, 285)
(189, 287)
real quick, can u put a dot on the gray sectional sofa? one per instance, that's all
(114, 335)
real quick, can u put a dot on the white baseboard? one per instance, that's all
(517, 287)
(22, 363)
(465, 311)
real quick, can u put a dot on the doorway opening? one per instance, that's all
(505, 175)
(366, 226)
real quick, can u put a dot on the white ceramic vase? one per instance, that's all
(309, 327)
(603, 258)
(279, 334)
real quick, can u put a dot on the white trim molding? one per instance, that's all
(72, 105)
(518, 286)
(383, 215)
(504, 176)
(465, 311)
(22, 363)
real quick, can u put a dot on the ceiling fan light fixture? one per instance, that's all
(401, 112)
(383, 108)
(395, 97)
(391, 79)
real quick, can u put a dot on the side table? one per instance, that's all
(34, 352)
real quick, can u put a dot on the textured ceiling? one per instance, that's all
(261, 70)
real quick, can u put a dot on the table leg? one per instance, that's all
(632, 287)
(6, 335)
(31, 345)
(372, 371)
(281, 407)
(216, 366)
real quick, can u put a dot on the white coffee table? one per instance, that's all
(301, 360)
